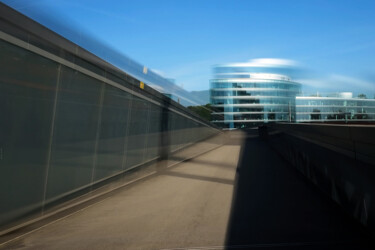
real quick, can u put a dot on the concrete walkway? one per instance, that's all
(204, 204)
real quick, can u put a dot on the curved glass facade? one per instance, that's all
(246, 95)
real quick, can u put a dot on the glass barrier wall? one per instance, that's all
(63, 130)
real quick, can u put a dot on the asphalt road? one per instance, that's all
(240, 195)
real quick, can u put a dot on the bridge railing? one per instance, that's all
(338, 159)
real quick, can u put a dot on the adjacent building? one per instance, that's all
(338, 107)
(262, 90)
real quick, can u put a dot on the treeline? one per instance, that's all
(203, 111)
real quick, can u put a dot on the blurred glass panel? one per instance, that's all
(27, 91)
(114, 122)
(75, 133)
(154, 132)
(186, 132)
(137, 132)
(173, 131)
(179, 131)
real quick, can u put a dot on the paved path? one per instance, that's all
(203, 203)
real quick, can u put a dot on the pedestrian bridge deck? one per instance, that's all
(241, 194)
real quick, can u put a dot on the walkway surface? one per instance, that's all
(241, 194)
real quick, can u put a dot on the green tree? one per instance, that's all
(203, 111)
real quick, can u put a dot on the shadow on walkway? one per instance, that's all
(275, 207)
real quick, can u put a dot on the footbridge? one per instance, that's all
(92, 157)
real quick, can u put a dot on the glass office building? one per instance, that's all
(338, 107)
(248, 94)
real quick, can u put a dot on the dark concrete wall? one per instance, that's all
(339, 159)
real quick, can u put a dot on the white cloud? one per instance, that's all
(314, 83)
(338, 83)
(190, 69)
(193, 75)
(350, 81)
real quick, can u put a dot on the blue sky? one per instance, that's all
(333, 40)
